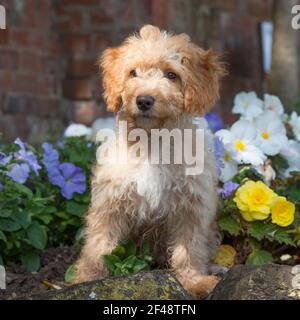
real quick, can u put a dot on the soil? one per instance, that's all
(54, 263)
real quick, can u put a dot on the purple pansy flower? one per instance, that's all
(50, 157)
(51, 161)
(53, 174)
(60, 144)
(27, 156)
(19, 172)
(214, 121)
(228, 188)
(69, 178)
(4, 159)
(219, 154)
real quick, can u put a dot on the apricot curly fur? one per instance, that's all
(175, 212)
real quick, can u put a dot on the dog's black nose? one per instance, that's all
(145, 103)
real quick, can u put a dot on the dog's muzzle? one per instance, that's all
(144, 103)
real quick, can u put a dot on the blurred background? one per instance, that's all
(48, 75)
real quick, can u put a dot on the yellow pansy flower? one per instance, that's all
(283, 212)
(254, 199)
(225, 256)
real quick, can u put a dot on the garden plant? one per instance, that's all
(45, 191)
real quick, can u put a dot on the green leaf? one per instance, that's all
(278, 162)
(119, 251)
(70, 274)
(50, 210)
(140, 265)
(5, 213)
(247, 172)
(82, 198)
(17, 243)
(118, 264)
(259, 230)
(129, 261)
(1, 261)
(229, 224)
(121, 271)
(117, 272)
(130, 248)
(9, 225)
(259, 257)
(145, 249)
(283, 237)
(46, 219)
(24, 190)
(62, 214)
(80, 234)
(2, 236)
(292, 192)
(76, 209)
(122, 262)
(37, 236)
(22, 217)
(253, 243)
(31, 261)
(110, 260)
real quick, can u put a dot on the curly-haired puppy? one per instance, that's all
(156, 80)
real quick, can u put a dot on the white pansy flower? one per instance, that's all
(295, 124)
(248, 105)
(240, 143)
(291, 153)
(271, 136)
(230, 168)
(273, 104)
(77, 130)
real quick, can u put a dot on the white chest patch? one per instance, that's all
(157, 185)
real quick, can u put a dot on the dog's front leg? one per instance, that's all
(103, 232)
(189, 257)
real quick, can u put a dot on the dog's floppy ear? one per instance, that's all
(204, 72)
(111, 66)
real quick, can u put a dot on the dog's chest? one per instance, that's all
(159, 185)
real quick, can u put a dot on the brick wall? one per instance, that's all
(86, 28)
(48, 75)
(30, 86)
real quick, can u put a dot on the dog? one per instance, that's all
(156, 80)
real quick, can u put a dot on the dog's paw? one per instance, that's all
(85, 272)
(203, 286)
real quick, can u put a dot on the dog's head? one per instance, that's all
(155, 76)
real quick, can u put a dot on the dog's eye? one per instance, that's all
(171, 75)
(133, 73)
